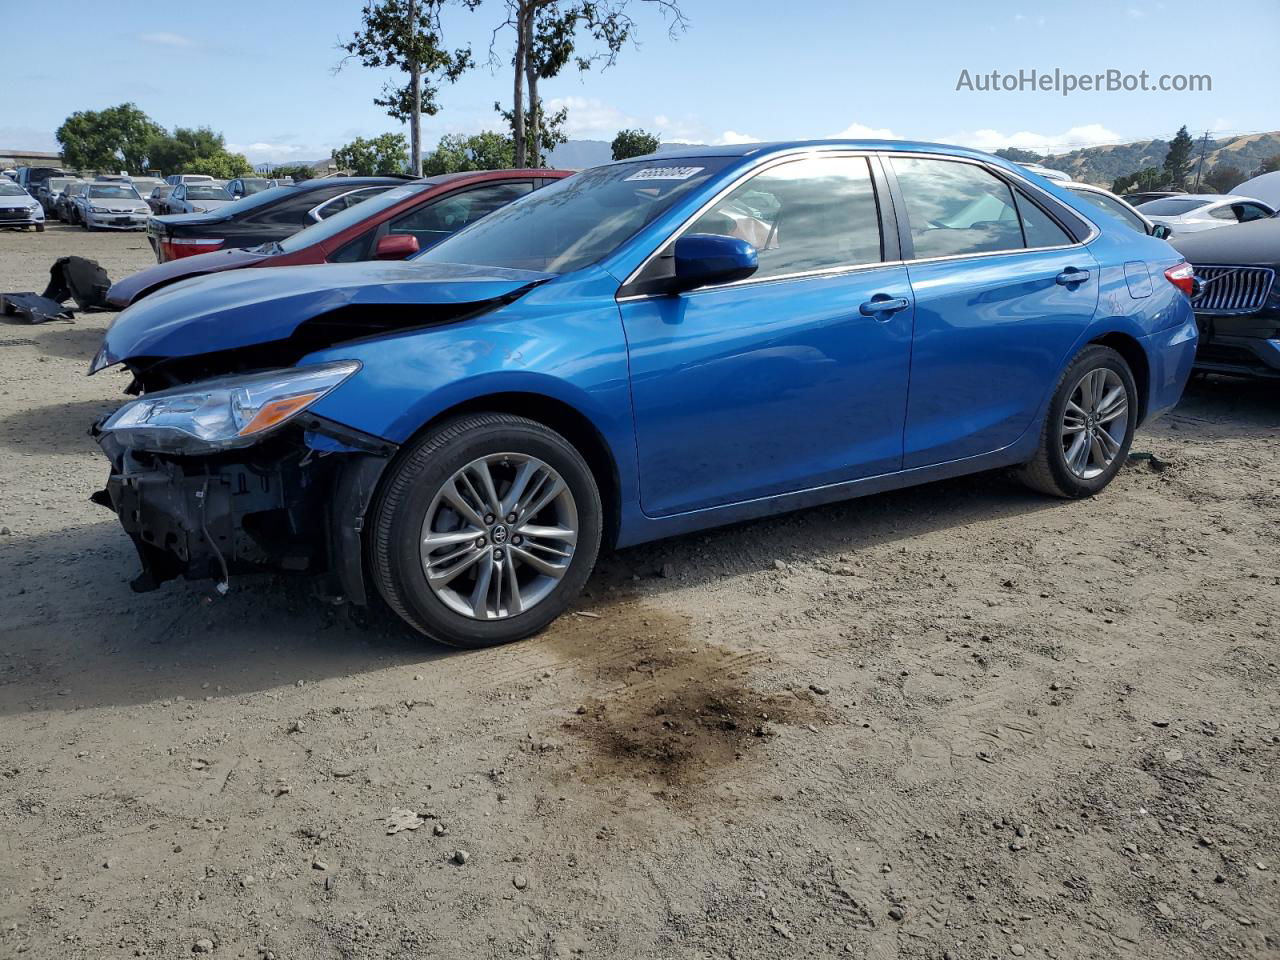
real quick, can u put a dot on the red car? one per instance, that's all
(391, 225)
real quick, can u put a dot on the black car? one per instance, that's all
(1237, 304)
(262, 217)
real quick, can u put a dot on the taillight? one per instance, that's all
(174, 248)
(1182, 276)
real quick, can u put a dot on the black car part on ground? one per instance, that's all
(294, 504)
(281, 215)
(33, 308)
(1237, 302)
(79, 279)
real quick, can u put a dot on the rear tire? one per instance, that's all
(1088, 429)
(412, 506)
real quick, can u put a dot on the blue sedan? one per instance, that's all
(644, 349)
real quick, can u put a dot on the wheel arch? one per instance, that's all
(568, 421)
(1131, 349)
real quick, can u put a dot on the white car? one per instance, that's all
(198, 198)
(1047, 172)
(18, 208)
(109, 205)
(1117, 209)
(1194, 212)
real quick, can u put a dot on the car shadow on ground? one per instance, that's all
(1224, 406)
(76, 636)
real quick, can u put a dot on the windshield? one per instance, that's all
(112, 191)
(1171, 206)
(349, 217)
(57, 183)
(253, 186)
(579, 220)
(10, 189)
(202, 192)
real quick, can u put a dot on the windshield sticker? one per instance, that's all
(665, 173)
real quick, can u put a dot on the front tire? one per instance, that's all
(1089, 427)
(485, 530)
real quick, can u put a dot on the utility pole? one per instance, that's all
(415, 79)
(1204, 142)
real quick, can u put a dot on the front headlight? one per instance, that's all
(224, 413)
(99, 210)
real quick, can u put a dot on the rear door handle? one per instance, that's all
(1072, 275)
(882, 306)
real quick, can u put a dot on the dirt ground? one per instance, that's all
(959, 721)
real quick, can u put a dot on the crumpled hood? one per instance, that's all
(243, 308)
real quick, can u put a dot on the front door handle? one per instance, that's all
(1072, 275)
(882, 306)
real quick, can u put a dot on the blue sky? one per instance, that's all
(263, 73)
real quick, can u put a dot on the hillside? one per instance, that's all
(1101, 165)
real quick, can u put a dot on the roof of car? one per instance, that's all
(1212, 197)
(748, 149)
(317, 182)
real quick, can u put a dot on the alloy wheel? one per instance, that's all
(1094, 422)
(499, 536)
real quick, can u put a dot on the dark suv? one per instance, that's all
(1237, 301)
(261, 217)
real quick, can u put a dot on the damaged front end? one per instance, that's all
(233, 475)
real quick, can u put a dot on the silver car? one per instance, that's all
(18, 208)
(198, 198)
(112, 206)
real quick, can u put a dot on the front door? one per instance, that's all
(791, 379)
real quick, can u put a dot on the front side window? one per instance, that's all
(432, 222)
(813, 214)
(1251, 211)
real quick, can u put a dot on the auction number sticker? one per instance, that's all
(665, 173)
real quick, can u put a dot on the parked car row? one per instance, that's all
(646, 348)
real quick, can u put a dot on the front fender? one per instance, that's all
(562, 341)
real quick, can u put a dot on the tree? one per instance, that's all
(1148, 178)
(1222, 177)
(299, 172)
(1177, 162)
(384, 154)
(117, 138)
(547, 34)
(406, 35)
(542, 133)
(633, 143)
(196, 150)
(1268, 165)
(457, 152)
(1018, 155)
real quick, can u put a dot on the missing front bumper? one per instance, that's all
(283, 507)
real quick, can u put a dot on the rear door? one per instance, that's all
(1002, 291)
(793, 378)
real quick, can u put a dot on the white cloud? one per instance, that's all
(262, 151)
(992, 140)
(857, 131)
(1135, 13)
(730, 137)
(591, 118)
(162, 39)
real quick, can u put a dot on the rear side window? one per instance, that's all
(434, 221)
(956, 209)
(1112, 208)
(807, 215)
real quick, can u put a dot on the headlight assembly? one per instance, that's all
(99, 210)
(225, 413)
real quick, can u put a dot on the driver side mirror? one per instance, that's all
(1161, 231)
(396, 246)
(702, 259)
